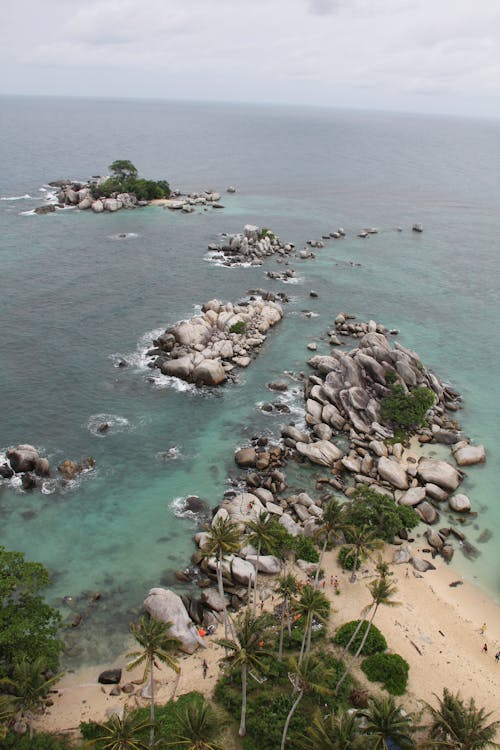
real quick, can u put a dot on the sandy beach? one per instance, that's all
(436, 628)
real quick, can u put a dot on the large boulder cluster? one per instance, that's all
(85, 195)
(343, 400)
(206, 349)
(188, 203)
(252, 246)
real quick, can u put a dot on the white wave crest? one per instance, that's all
(26, 196)
(114, 422)
(28, 213)
(49, 486)
(159, 380)
(171, 454)
(178, 506)
(219, 259)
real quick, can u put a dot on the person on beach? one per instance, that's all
(204, 666)
(485, 648)
(483, 628)
(497, 656)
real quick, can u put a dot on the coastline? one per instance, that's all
(443, 622)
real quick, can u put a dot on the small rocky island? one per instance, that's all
(124, 189)
(207, 348)
(251, 246)
(25, 462)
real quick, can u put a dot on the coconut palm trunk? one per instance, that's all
(255, 580)
(305, 637)
(320, 562)
(355, 633)
(289, 718)
(360, 648)
(152, 707)
(284, 613)
(220, 584)
(243, 730)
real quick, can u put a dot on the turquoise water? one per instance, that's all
(73, 298)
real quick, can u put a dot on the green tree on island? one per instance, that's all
(262, 535)
(157, 644)
(122, 170)
(311, 605)
(287, 588)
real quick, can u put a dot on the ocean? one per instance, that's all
(75, 297)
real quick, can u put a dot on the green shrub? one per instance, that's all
(265, 232)
(406, 410)
(239, 327)
(380, 513)
(346, 559)
(389, 669)
(374, 644)
(305, 549)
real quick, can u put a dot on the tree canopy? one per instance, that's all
(123, 169)
(380, 514)
(28, 625)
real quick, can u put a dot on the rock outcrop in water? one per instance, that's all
(252, 246)
(25, 462)
(208, 347)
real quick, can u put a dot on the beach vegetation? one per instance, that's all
(39, 741)
(380, 513)
(29, 627)
(382, 591)
(389, 669)
(265, 232)
(198, 728)
(223, 539)
(288, 587)
(314, 609)
(335, 731)
(406, 410)
(29, 685)
(309, 676)
(331, 523)
(123, 169)
(239, 327)
(362, 541)
(386, 725)
(245, 653)
(457, 724)
(157, 645)
(374, 644)
(347, 558)
(262, 535)
(305, 549)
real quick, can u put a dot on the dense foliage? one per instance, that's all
(305, 549)
(167, 719)
(28, 626)
(406, 410)
(347, 558)
(125, 179)
(380, 513)
(374, 644)
(389, 669)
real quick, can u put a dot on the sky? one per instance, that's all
(429, 56)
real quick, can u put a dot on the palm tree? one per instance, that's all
(331, 521)
(198, 726)
(157, 644)
(287, 588)
(361, 540)
(333, 732)
(247, 652)
(30, 686)
(122, 733)
(381, 590)
(262, 535)
(223, 539)
(461, 726)
(308, 676)
(311, 605)
(384, 721)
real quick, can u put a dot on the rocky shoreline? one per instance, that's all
(26, 463)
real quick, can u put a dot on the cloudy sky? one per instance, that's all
(406, 55)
